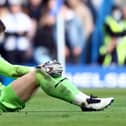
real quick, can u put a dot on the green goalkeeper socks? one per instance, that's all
(13, 71)
(60, 88)
(10, 100)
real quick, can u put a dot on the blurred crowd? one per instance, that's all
(95, 31)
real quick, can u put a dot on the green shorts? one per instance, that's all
(9, 101)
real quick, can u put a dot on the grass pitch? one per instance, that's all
(43, 110)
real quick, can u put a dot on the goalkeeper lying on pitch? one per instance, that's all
(47, 76)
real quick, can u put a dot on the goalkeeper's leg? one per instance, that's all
(58, 87)
(62, 88)
(14, 96)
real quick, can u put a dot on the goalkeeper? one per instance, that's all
(47, 76)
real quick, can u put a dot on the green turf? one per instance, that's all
(43, 110)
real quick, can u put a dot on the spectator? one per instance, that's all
(17, 37)
(97, 37)
(33, 8)
(122, 43)
(75, 37)
(94, 6)
(3, 8)
(84, 14)
(114, 46)
(92, 9)
(3, 12)
(45, 47)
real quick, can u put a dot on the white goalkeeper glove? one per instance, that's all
(54, 68)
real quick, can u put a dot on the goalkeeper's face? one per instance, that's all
(2, 27)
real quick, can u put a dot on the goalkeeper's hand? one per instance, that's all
(54, 68)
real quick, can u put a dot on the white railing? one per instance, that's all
(60, 30)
